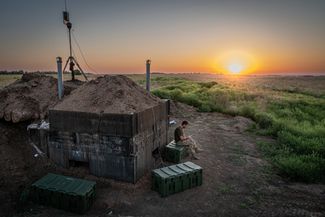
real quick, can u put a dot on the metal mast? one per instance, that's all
(71, 60)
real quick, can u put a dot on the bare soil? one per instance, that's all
(236, 179)
(19, 167)
(30, 97)
(109, 94)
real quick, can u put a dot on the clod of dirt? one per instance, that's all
(109, 94)
(243, 123)
(30, 97)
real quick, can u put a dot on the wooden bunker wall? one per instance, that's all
(118, 146)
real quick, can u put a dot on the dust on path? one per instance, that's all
(236, 181)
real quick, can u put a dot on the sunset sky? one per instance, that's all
(247, 36)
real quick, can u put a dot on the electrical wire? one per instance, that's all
(81, 53)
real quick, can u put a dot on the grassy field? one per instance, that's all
(8, 79)
(291, 109)
(295, 117)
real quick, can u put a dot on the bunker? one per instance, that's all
(110, 125)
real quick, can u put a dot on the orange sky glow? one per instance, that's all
(257, 37)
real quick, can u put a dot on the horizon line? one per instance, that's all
(20, 71)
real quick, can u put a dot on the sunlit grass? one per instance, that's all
(296, 120)
(8, 79)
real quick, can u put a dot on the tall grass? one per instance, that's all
(296, 120)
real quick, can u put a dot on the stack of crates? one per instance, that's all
(175, 153)
(62, 192)
(176, 178)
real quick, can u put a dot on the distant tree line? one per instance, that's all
(20, 72)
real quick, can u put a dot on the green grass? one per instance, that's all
(8, 79)
(226, 189)
(295, 119)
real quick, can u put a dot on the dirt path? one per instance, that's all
(237, 181)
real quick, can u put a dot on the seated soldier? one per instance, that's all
(182, 140)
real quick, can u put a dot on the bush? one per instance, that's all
(208, 84)
(248, 111)
(264, 120)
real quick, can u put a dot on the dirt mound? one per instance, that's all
(109, 94)
(182, 110)
(30, 97)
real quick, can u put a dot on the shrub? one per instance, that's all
(264, 120)
(248, 111)
(208, 84)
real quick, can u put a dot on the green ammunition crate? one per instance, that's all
(63, 192)
(176, 178)
(175, 153)
(196, 174)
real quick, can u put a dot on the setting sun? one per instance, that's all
(235, 62)
(235, 68)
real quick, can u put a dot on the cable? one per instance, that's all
(82, 55)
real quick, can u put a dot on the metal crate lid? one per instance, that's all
(176, 170)
(65, 184)
(175, 146)
(191, 165)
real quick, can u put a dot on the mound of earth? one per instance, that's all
(30, 97)
(109, 94)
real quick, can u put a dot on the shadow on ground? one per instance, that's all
(236, 180)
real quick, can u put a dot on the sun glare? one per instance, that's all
(235, 62)
(235, 68)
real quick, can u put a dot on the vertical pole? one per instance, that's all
(69, 25)
(60, 79)
(70, 46)
(148, 62)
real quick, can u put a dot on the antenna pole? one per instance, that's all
(71, 60)
(70, 42)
